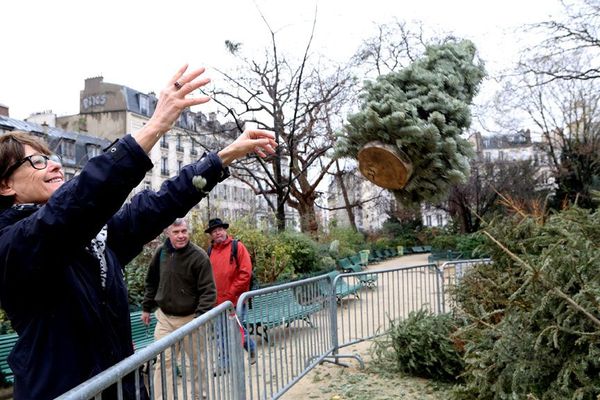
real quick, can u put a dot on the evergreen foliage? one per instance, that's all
(402, 233)
(349, 241)
(421, 345)
(136, 271)
(422, 109)
(534, 328)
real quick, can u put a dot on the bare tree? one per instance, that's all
(567, 114)
(392, 47)
(296, 101)
(575, 36)
(555, 87)
(489, 182)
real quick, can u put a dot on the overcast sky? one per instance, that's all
(50, 47)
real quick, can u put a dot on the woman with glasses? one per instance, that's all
(63, 244)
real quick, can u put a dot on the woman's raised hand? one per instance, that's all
(173, 99)
(258, 141)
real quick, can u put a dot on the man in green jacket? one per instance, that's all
(180, 283)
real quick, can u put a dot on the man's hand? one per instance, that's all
(145, 317)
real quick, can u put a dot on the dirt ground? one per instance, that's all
(332, 382)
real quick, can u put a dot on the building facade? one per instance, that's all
(108, 111)
(74, 148)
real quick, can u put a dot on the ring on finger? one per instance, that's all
(177, 85)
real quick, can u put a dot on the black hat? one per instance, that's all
(215, 223)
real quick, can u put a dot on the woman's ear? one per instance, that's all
(6, 188)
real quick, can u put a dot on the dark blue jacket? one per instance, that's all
(70, 328)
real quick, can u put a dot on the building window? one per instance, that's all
(163, 142)
(190, 123)
(68, 176)
(144, 104)
(193, 151)
(179, 146)
(164, 166)
(147, 185)
(439, 220)
(93, 150)
(66, 150)
(179, 165)
(500, 155)
(428, 223)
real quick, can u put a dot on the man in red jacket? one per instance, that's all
(232, 271)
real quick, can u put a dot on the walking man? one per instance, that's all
(232, 270)
(180, 283)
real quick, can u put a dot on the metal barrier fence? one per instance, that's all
(452, 272)
(294, 327)
(393, 294)
(190, 363)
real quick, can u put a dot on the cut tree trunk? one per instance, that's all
(385, 165)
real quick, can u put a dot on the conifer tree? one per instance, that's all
(422, 110)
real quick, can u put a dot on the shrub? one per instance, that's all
(270, 256)
(471, 245)
(381, 244)
(532, 317)
(135, 274)
(5, 325)
(445, 242)
(302, 251)
(421, 345)
(350, 241)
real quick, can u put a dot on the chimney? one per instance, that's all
(93, 84)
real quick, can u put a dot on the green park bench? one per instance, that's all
(355, 259)
(380, 254)
(273, 309)
(141, 334)
(7, 342)
(366, 280)
(345, 264)
(449, 255)
(343, 288)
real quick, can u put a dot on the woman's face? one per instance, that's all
(30, 185)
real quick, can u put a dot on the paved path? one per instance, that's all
(396, 294)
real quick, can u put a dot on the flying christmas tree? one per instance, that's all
(407, 135)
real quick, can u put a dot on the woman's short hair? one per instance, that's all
(12, 150)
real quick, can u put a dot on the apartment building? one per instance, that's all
(74, 148)
(108, 111)
(372, 203)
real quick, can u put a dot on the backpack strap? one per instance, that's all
(234, 252)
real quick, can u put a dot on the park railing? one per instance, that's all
(295, 326)
(452, 272)
(190, 363)
(395, 293)
(292, 325)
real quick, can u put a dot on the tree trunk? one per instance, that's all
(347, 205)
(279, 184)
(308, 216)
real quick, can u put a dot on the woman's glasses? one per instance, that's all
(37, 161)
